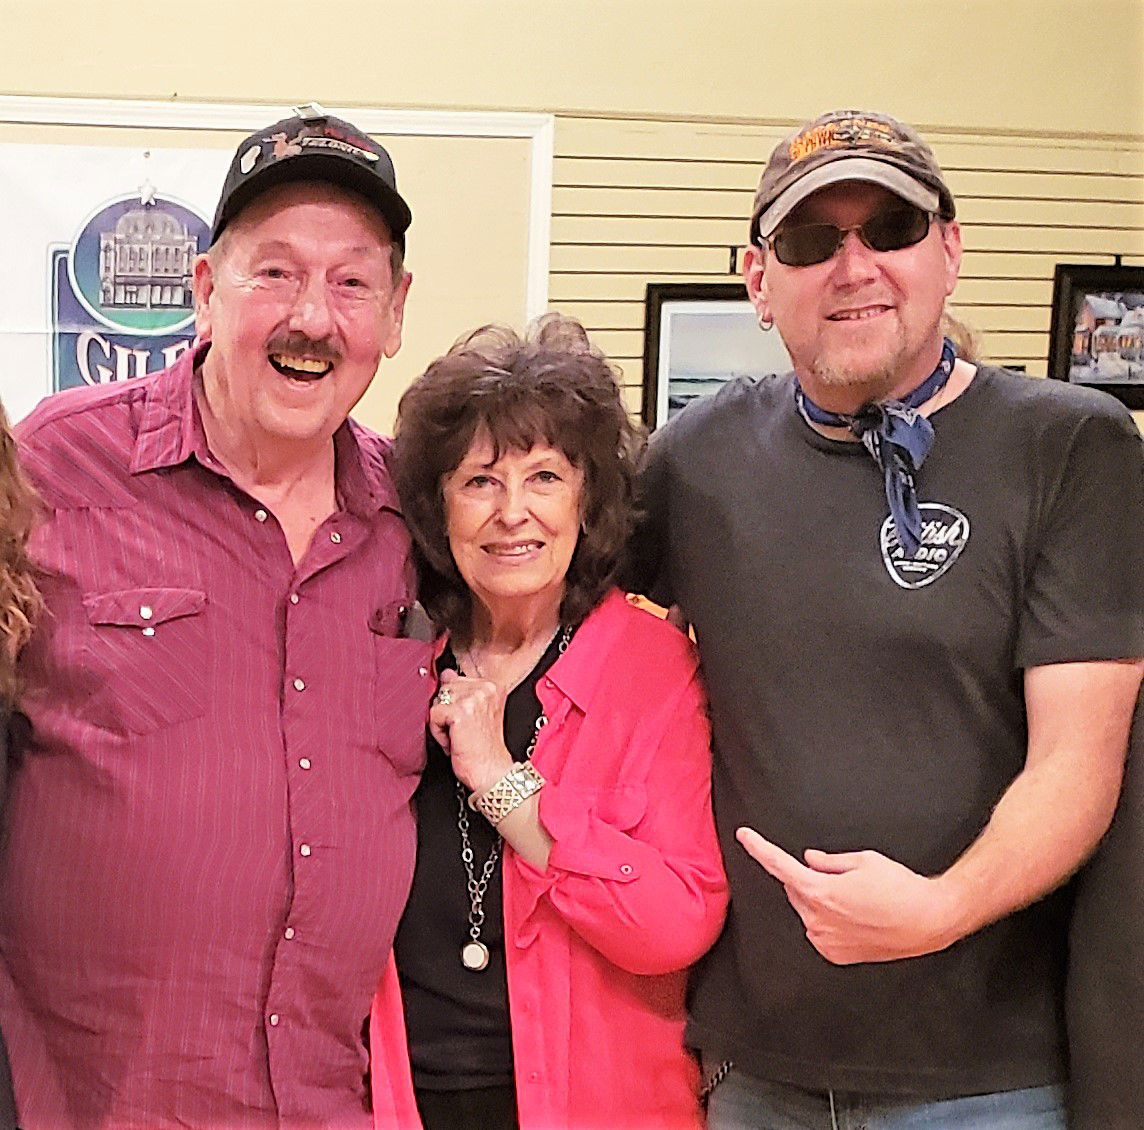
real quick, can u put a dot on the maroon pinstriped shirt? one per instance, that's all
(209, 840)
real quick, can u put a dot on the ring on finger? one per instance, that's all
(444, 697)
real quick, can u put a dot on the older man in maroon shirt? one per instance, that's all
(209, 837)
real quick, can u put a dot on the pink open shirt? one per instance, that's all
(598, 944)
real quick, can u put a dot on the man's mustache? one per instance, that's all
(299, 345)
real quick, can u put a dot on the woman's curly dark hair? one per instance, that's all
(19, 597)
(552, 387)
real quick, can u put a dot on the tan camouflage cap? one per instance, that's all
(848, 145)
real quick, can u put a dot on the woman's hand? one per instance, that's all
(467, 719)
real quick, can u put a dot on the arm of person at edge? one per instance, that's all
(862, 906)
(39, 1072)
(668, 909)
(7, 1097)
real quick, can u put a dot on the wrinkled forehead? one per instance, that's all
(309, 209)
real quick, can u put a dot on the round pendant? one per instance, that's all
(475, 956)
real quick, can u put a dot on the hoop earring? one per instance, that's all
(766, 324)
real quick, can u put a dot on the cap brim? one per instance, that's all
(327, 168)
(836, 172)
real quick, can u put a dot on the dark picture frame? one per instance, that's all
(697, 336)
(1096, 337)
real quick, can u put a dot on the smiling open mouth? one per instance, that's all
(515, 549)
(860, 314)
(300, 368)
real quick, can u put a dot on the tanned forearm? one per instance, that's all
(1056, 810)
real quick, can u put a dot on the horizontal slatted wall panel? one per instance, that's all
(639, 201)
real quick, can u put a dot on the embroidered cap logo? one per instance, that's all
(845, 134)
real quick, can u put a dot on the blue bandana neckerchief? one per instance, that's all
(898, 438)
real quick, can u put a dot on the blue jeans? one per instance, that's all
(741, 1102)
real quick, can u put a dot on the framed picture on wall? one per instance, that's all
(1097, 333)
(698, 336)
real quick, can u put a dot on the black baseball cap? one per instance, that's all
(313, 145)
(848, 145)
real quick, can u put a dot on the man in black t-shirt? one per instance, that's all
(914, 583)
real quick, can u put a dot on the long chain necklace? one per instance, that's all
(474, 953)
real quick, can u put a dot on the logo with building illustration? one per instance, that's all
(122, 304)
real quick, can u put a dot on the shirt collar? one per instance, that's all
(361, 470)
(171, 431)
(578, 672)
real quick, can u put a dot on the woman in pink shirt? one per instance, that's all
(568, 871)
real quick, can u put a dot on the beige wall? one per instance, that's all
(666, 108)
(995, 64)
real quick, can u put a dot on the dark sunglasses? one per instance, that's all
(804, 245)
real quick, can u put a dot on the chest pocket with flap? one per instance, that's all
(149, 646)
